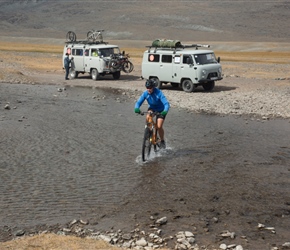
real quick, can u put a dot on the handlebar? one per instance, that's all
(152, 113)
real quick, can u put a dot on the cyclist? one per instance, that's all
(156, 102)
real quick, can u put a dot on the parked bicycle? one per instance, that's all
(95, 35)
(121, 62)
(71, 36)
(151, 136)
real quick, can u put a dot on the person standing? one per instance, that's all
(66, 64)
(156, 102)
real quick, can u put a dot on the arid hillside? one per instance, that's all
(147, 20)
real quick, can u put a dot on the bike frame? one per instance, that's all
(94, 35)
(151, 123)
(150, 135)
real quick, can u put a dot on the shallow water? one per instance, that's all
(77, 153)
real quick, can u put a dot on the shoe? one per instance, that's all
(162, 144)
(66, 78)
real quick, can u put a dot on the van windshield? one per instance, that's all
(109, 51)
(207, 58)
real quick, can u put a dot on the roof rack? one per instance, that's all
(196, 46)
(85, 42)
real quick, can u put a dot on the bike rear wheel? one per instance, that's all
(90, 36)
(71, 36)
(146, 147)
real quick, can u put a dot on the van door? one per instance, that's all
(165, 69)
(176, 66)
(188, 68)
(78, 61)
(92, 61)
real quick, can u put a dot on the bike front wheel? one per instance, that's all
(147, 143)
(157, 142)
(127, 67)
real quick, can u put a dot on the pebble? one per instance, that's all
(20, 233)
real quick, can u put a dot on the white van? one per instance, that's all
(182, 66)
(92, 58)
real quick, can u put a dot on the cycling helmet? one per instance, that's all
(149, 84)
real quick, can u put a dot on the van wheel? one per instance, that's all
(208, 86)
(188, 86)
(116, 75)
(95, 74)
(73, 74)
(158, 83)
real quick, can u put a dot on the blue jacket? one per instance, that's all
(156, 101)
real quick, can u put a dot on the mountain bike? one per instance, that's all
(151, 136)
(95, 35)
(121, 62)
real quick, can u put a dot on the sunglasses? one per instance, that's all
(149, 87)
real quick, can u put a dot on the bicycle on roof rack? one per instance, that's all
(71, 36)
(95, 35)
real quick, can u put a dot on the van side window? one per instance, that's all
(77, 52)
(107, 52)
(94, 52)
(177, 59)
(86, 52)
(186, 58)
(153, 58)
(166, 58)
(205, 58)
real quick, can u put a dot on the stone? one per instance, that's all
(126, 236)
(188, 234)
(105, 238)
(73, 222)
(223, 246)
(20, 233)
(286, 245)
(142, 242)
(191, 240)
(162, 221)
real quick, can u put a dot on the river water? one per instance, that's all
(76, 153)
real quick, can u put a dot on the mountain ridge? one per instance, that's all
(148, 20)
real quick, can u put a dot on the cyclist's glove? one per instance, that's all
(137, 111)
(164, 113)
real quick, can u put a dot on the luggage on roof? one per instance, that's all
(165, 43)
